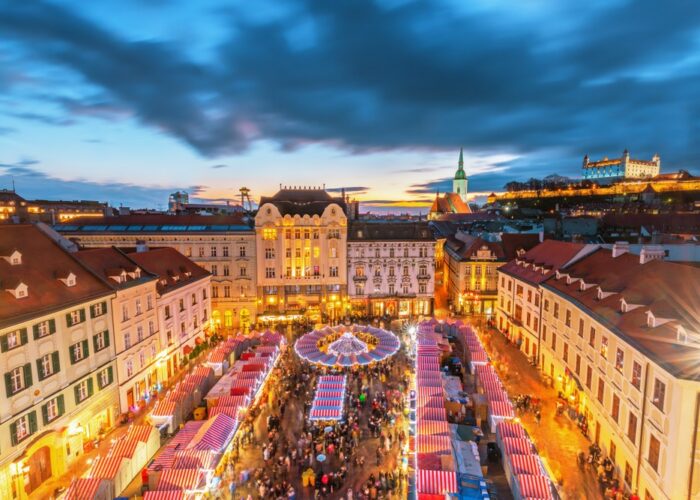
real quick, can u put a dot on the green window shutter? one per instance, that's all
(61, 405)
(106, 338)
(32, 422)
(71, 351)
(52, 326)
(3, 344)
(92, 311)
(8, 384)
(104, 307)
(86, 350)
(39, 369)
(13, 433)
(94, 343)
(55, 360)
(69, 321)
(27, 375)
(76, 390)
(91, 389)
(23, 336)
(82, 315)
(35, 329)
(110, 374)
(45, 413)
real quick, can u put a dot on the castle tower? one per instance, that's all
(459, 184)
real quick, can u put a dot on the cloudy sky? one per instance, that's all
(125, 100)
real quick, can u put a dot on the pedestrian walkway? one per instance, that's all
(557, 438)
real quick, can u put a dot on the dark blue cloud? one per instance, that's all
(365, 76)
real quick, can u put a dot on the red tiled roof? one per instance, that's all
(42, 261)
(170, 266)
(669, 290)
(551, 254)
(108, 262)
(512, 242)
(678, 223)
(449, 203)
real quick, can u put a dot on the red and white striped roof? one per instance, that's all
(501, 409)
(525, 464)
(431, 413)
(180, 479)
(441, 445)
(436, 482)
(516, 446)
(510, 429)
(433, 427)
(124, 447)
(326, 413)
(534, 487)
(84, 487)
(164, 495)
(106, 467)
(231, 411)
(215, 434)
(195, 459)
(232, 401)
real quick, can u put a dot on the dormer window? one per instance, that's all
(21, 291)
(651, 320)
(69, 279)
(681, 335)
(16, 258)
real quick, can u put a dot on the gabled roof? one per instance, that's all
(173, 269)
(449, 203)
(667, 290)
(514, 242)
(548, 257)
(302, 201)
(109, 262)
(43, 261)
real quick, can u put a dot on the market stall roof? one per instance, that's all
(180, 479)
(106, 467)
(164, 495)
(534, 487)
(436, 482)
(215, 434)
(347, 346)
(84, 487)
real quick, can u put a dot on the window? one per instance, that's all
(53, 409)
(127, 340)
(269, 272)
(182, 328)
(168, 315)
(632, 427)
(619, 359)
(125, 312)
(78, 351)
(138, 307)
(307, 234)
(47, 365)
(44, 329)
(227, 271)
(129, 368)
(13, 340)
(636, 375)
(554, 342)
(537, 300)
(527, 322)
(271, 234)
(405, 270)
(98, 309)
(544, 332)
(359, 290)
(405, 252)
(601, 390)
(151, 328)
(546, 304)
(556, 310)
(204, 294)
(422, 270)
(297, 234)
(224, 251)
(18, 379)
(376, 253)
(577, 369)
(244, 271)
(193, 299)
(333, 271)
(201, 251)
(334, 253)
(566, 353)
(75, 317)
(139, 333)
(591, 337)
(580, 327)
(149, 302)
(422, 288)
(269, 253)
(628, 474)
(535, 323)
(529, 295)
(215, 292)
(227, 292)
(604, 347)
(391, 253)
(391, 289)
(182, 305)
(212, 251)
(142, 358)
(654, 452)
(23, 427)
(518, 289)
(567, 320)
(214, 270)
(659, 394)
(613, 451)
(589, 376)
(83, 390)
(391, 271)
(334, 234)
(105, 377)
(615, 412)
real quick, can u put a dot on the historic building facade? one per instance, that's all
(471, 269)
(300, 236)
(619, 339)
(391, 268)
(456, 201)
(223, 245)
(624, 167)
(57, 358)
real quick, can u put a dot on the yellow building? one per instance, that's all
(57, 360)
(301, 237)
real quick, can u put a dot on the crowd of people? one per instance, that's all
(358, 457)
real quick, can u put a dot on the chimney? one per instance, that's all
(619, 248)
(541, 234)
(141, 246)
(651, 252)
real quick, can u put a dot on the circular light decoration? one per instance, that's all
(347, 346)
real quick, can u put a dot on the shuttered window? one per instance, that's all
(44, 328)
(98, 309)
(75, 317)
(23, 427)
(100, 341)
(83, 390)
(53, 409)
(18, 379)
(105, 377)
(13, 340)
(78, 351)
(48, 365)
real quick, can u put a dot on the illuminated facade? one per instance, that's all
(619, 339)
(301, 236)
(623, 167)
(13, 206)
(57, 358)
(391, 268)
(223, 245)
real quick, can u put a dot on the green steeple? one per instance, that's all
(460, 174)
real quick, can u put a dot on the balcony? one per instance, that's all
(361, 278)
(424, 276)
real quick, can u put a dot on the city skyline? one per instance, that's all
(100, 104)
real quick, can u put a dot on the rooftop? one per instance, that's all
(668, 291)
(173, 269)
(302, 201)
(541, 262)
(117, 269)
(389, 231)
(156, 223)
(44, 267)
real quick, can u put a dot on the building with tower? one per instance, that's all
(624, 167)
(456, 201)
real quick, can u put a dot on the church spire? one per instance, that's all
(461, 158)
(459, 184)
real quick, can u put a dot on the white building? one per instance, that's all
(391, 268)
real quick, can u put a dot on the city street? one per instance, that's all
(556, 437)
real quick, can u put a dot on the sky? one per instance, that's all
(126, 101)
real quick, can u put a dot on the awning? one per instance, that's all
(195, 459)
(525, 464)
(179, 479)
(516, 446)
(215, 434)
(106, 467)
(164, 495)
(433, 427)
(436, 482)
(164, 408)
(440, 445)
(510, 430)
(124, 447)
(534, 487)
(82, 488)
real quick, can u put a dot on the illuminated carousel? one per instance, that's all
(347, 346)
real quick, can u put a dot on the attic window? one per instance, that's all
(681, 335)
(15, 258)
(520, 252)
(20, 291)
(359, 233)
(651, 320)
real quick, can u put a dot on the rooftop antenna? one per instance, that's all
(245, 196)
